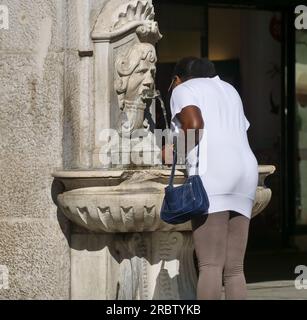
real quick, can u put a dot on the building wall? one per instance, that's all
(42, 84)
(224, 42)
(181, 27)
(32, 243)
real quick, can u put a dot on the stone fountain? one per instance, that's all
(120, 248)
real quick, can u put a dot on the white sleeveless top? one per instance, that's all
(227, 165)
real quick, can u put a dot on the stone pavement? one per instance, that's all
(275, 290)
(270, 275)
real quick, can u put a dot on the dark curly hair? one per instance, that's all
(193, 67)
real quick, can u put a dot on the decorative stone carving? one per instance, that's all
(147, 266)
(135, 86)
(133, 204)
(131, 201)
(263, 194)
(135, 11)
(118, 18)
(124, 36)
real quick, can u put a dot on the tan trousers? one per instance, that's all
(220, 241)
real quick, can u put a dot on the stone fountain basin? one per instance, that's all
(129, 200)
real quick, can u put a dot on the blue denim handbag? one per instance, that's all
(182, 203)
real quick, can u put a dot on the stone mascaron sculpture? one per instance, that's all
(135, 86)
(124, 37)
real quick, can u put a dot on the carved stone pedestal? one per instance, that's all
(120, 248)
(149, 265)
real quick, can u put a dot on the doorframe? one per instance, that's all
(288, 130)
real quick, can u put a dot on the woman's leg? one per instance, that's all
(234, 280)
(210, 242)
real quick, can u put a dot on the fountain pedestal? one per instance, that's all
(120, 248)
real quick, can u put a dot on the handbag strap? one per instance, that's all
(171, 178)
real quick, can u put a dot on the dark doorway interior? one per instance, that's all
(246, 47)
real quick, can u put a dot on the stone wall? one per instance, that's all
(79, 93)
(32, 243)
(44, 86)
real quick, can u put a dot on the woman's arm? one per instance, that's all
(190, 117)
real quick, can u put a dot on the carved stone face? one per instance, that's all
(135, 85)
(141, 83)
(136, 71)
